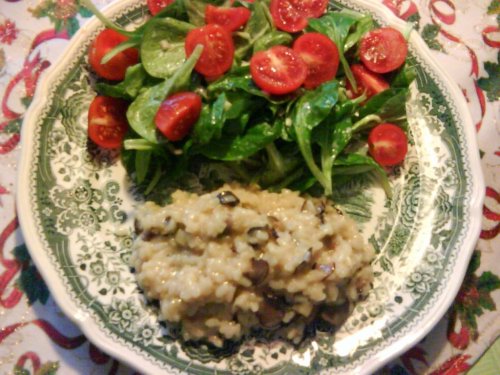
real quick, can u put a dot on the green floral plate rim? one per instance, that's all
(75, 214)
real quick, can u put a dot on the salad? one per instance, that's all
(280, 93)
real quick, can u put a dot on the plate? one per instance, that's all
(76, 211)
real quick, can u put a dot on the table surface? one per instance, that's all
(36, 338)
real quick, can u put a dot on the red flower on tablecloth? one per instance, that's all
(8, 32)
(473, 299)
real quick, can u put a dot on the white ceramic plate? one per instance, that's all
(75, 211)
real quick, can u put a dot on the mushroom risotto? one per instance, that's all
(225, 263)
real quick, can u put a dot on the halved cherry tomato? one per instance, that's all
(387, 144)
(278, 70)
(107, 121)
(115, 68)
(229, 18)
(218, 49)
(155, 6)
(292, 15)
(383, 50)
(321, 56)
(177, 115)
(371, 83)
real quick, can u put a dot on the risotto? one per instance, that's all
(238, 259)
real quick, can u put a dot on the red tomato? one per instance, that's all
(155, 6)
(321, 56)
(372, 83)
(383, 50)
(229, 18)
(107, 121)
(387, 144)
(177, 115)
(292, 15)
(279, 70)
(218, 49)
(115, 68)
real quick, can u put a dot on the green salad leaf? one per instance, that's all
(162, 47)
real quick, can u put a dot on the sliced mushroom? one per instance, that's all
(336, 315)
(227, 198)
(170, 225)
(258, 235)
(277, 225)
(305, 261)
(320, 211)
(269, 315)
(329, 242)
(138, 227)
(151, 234)
(259, 271)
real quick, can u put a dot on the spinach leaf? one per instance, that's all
(336, 26)
(239, 147)
(241, 80)
(271, 39)
(209, 125)
(356, 163)
(142, 161)
(363, 25)
(162, 47)
(259, 24)
(176, 10)
(142, 111)
(389, 105)
(135, 79)
(334, 142)
(309, 111)
(404, 76)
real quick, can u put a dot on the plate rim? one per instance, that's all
(97, 336)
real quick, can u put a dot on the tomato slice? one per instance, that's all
(156, 6)
(177, 115)
(383, 50)
(107, 121)
(321, 56)
(367, 82)
(387, 144)
(278, 70)
(292, 15)
(115, 68)
(229, 18)
(218, 49)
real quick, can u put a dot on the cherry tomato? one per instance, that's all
(371, 83)
(115, 68)
(155, 6)
(278, 70)
(218, 49)
(229, 18)
(383, 50)
(321, 56)
(177, 115)
(107, 121)
(292, 15)
(387, 144)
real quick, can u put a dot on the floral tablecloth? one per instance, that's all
(36, 338)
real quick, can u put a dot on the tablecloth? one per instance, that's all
(36, 338)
